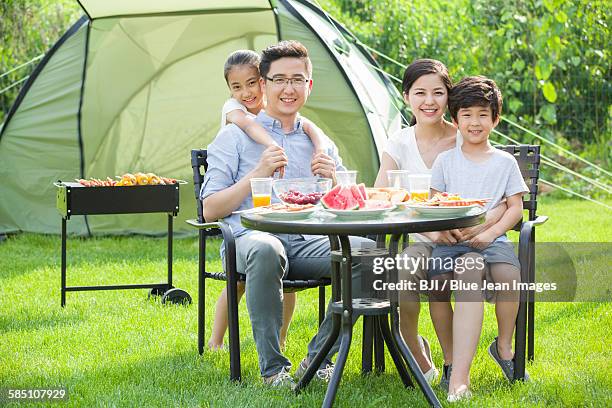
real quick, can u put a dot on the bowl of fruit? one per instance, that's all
(301, 190)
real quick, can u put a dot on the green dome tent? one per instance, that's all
(135, 85)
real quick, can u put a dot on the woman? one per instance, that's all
(425, 87)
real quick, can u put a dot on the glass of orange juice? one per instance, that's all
(261, 190)
(419, 186)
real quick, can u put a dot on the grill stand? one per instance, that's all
(166, 290)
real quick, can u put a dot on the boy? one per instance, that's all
(478, 170)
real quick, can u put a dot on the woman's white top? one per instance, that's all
(403, 148)
(231, 105)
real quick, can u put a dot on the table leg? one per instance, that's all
(336, 323)
(367, 344)
(394, 351)
(379, 349)
(63, 267)
(395, 330)
(347, 322)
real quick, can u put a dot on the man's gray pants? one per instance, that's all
(266, 260)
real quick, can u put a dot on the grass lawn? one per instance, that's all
(117, 348)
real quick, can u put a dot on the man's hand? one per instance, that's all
(323, 165)
(482, 240)
(271, 159)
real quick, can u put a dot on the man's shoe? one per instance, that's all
(324, 374)
(507, 366)
(281, 379)
(446, 374)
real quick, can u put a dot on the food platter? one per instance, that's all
(437, 211)
(287, 215)
(362, 214)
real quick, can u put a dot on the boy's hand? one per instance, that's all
(482, 240)
(323, 165)
(271, 159)
(458, 235)
(442, 237)
(470, 232)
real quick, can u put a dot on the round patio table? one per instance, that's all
(343, 306)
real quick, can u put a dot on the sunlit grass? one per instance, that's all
(117, 348)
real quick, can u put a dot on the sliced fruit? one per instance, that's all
(362, 189)
(355, 190)
(328, 198)
(377, 204)
(399, 195)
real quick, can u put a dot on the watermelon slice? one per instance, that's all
(356, 191)
(362, 190)
(328, 199)
(340, 198)
(351, 202)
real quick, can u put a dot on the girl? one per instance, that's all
(241, 71)
(426, 85)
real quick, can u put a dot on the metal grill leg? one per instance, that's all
(63, 297)
(170, 233)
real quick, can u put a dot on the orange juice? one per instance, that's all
(419, 195)
(259, 200)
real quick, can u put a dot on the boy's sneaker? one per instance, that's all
(445, 380)
(507, 366)
(281, 379)
(323, 374)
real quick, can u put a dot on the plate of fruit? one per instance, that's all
(351, 202)
(301, 191)
(288, 212)
(447, 205)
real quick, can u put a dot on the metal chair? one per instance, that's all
(230, 275)
(528, 158)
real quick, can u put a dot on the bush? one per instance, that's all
(549, 57)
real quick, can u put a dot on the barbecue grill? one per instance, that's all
(76, 199)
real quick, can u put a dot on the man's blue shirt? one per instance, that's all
(233, 154)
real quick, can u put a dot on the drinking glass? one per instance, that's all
(419, 186)
(347, 177)
(261, 190)
(399, 179)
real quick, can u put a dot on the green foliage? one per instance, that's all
(551, 58)
(29, 29)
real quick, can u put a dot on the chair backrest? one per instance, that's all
(528, 158)
(199, 167)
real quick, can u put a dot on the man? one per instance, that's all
(233, 159)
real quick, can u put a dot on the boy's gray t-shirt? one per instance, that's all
(496, 178)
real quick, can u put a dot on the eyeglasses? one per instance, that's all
(283, 82)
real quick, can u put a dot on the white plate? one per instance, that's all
(360, 214)
(442, 211)
(287, 215)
